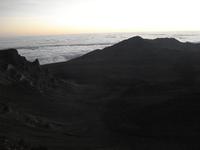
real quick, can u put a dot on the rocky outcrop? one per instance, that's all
(16, 70)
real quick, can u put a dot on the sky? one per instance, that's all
(48, 17)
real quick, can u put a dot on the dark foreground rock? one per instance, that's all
(8, 144)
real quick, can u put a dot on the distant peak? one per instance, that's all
(137, 38)
(134, 41)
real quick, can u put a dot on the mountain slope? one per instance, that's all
(154, 85)
(132, 60)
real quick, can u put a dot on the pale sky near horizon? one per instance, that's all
(41, 17)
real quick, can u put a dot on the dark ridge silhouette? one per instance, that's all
(137, 94)
(131, 60)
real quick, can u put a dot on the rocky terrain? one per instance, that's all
(137, 94)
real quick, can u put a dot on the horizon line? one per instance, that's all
(89, 33)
